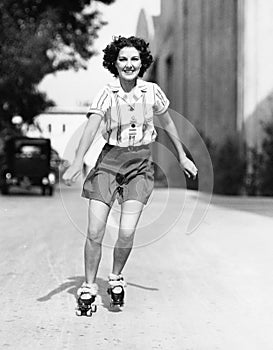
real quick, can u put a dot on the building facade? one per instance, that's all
(214, 60)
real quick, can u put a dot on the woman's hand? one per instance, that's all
(189, 168)
(71, 174)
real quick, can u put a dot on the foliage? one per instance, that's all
(260, 165)
(252, 181)
(229, 166)
(39, 37)
(266, 169)
(231, 175)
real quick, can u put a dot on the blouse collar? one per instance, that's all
(139, 89)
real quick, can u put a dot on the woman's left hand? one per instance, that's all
(189, 167)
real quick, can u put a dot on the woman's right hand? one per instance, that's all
(189, 167)
(71, 174)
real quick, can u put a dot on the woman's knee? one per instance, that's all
(95, 234)
(126, 235)
(97, 218)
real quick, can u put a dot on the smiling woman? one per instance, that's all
(135, 47)
(128, 64)
(124, 169)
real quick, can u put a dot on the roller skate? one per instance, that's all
(116, 290)
(86, 297)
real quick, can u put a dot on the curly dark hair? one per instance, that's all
(112, 50)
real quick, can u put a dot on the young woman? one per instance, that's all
(124, 168)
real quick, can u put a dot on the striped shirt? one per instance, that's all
(128, 117)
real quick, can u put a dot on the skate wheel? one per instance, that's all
(94, 308)
(89, 313)
(78, 312)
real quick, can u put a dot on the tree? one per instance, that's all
(39, 37)
(229, 167)
(266, 165)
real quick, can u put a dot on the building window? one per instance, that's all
(49, 127)
(63, 127)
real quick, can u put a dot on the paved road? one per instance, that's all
(211, 289)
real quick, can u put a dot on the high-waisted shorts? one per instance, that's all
(125, 173)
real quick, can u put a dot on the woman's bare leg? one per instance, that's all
(97, 217)
(130, 214)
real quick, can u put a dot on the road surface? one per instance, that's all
(210, 289)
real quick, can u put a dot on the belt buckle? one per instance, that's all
(130, 148)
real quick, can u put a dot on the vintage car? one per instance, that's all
(27, 163)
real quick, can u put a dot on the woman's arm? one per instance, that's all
(169, 126)
(86, 140)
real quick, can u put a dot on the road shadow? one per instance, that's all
(73, 283)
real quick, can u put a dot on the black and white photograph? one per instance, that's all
(136, 174)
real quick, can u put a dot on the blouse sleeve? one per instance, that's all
(100, 103)
(161, 102)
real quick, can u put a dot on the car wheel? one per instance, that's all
(5, 190)
(43, 190)
(50, 191)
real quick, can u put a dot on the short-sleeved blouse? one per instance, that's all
(128, 117)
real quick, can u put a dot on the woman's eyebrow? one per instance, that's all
(136, 56)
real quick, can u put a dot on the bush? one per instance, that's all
(231, 176)
(259, 179)
(253, 181)
(229, 166)
(266, 169)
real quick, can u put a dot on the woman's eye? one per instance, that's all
(122, 59)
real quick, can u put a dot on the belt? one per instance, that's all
(128, 148)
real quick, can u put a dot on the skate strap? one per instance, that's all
(87, 289)
(86, 296)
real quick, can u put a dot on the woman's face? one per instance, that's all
(128, 63)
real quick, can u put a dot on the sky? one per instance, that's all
(70, 88)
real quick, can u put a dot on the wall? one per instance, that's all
(258, 69)
(199, 38)
(204, 50)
